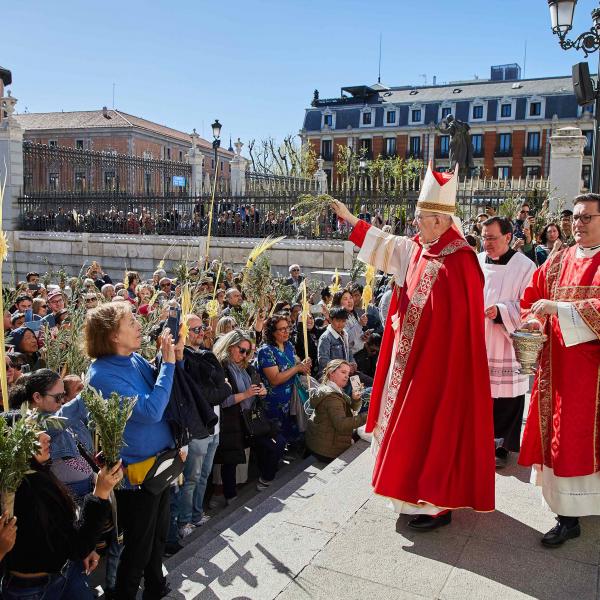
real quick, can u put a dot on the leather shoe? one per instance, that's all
(559, 534)
(429, 523)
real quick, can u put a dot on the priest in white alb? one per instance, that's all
(507, 273)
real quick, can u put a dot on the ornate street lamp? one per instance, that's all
(216, 128)
(561, 16)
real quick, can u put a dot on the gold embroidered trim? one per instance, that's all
(435, 207)
(590, 314)
(577, 292)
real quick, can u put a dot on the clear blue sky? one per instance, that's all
(254, 64)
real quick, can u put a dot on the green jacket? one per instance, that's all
(329, 430)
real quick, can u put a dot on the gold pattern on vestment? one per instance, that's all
(409, 328)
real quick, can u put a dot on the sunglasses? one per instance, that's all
(243, 351)
(197, 330)
(58, 398)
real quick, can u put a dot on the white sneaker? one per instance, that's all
(186, 529)
(203, 519)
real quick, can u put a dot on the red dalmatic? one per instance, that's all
(563, 426)
(432, 415)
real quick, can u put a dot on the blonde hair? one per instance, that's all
(222, 323)
(332, 365)
(225, 342)
(101, 323)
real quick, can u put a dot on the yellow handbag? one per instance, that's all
(136, 472)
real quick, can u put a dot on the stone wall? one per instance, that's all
(30, 249)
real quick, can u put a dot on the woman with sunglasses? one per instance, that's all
(278, 368)
(233, 350)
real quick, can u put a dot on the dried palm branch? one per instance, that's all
(261, 248)
(367, 294)
(257, 283)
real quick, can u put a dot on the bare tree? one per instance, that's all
(288, 158)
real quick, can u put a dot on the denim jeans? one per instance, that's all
(198, 466)
(72, 584)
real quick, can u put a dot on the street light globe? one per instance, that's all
(561, 15)
(362, 163)
(216, 127)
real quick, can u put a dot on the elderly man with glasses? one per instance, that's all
(560, 440)
(431, 406)
(295, 278)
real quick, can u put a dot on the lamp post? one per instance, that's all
(362, 168)
(216, 129)
(561, 16)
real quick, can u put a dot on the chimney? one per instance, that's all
(105, 112)
(435, 80)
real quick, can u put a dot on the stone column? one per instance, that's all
(566, 158)
(237, 169)
(196, 159)
(11, 162)
(321, 176)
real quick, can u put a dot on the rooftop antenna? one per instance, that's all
(113, 97)
(525, 60)
(424, 76)
(379, 71)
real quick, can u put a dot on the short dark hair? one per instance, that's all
(588, 198)
(337, 312)
(504, 224)
(22, 297)
(355, 287)
(31, 274)
(325, 293)
(374, 339)
(566, 213)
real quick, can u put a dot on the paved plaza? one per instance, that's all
(325, 535)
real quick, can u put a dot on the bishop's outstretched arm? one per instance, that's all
(386, 252)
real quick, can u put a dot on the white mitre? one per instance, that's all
(438, 192)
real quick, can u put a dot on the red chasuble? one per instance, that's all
(432, 414)
(562, 430)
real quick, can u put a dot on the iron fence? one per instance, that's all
(250, 215)
(58, 170)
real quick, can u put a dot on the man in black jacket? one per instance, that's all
(207, 374)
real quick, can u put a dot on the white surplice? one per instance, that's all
(504, 286)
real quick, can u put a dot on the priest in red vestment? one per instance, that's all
(431, 405)
(562, 435)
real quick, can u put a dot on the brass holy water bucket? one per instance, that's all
(528, 345)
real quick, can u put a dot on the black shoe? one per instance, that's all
(172, 548)
(562, 532)
(429, 523)
(501, 457)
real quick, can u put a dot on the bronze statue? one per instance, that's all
(461, 150)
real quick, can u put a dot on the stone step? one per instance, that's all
(268, 541)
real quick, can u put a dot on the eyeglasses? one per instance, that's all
(295, 270)
(243, 351)
(58, 398)
(585, 219)
(282, 329)
(197, 330)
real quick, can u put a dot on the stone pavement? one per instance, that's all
(325, 535)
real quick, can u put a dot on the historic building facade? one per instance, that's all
(511, 121)
(114, 131)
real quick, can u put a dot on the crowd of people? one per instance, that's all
(228, 384)
(201, 393)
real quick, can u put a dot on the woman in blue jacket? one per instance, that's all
(112, 337)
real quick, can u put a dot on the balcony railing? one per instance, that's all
(414, 154)
(504, 151)
(532, 151)
(439, 153)
(587, 150)
(478, 153)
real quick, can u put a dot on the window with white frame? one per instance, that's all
(446, 108)
(390, 146)
(367, 118)
(416, 115)
(52, 143)
(536, 107)
(391, 116)
(504, 172)
(478, 110)
(506, 109)
(328, 119)
(326, 149)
